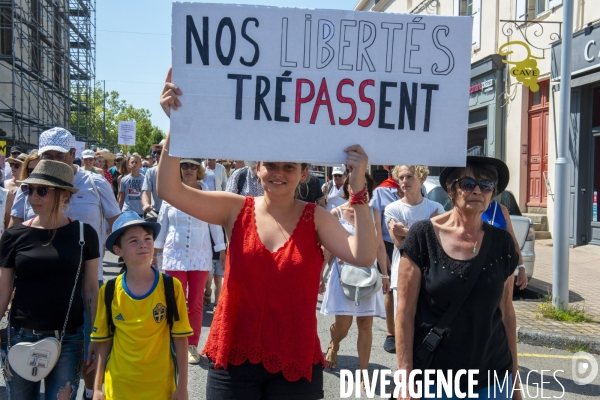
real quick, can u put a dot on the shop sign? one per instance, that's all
(525, 70)
(585, 51)
(478, 87)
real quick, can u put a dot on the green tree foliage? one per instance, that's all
(116, 110)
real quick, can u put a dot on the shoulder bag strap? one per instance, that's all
(172, 312)
(433, 338)
(81, 244)
(99, 202)
(109, 294)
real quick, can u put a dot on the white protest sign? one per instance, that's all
(126, 133)
(79, 147)
(284, 84)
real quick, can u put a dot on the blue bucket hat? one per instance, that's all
(125, 221)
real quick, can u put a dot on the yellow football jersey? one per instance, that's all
(141, 364)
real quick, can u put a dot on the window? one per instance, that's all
(596, 108)
(466, 7)
(471, 8)
(540, 98)
(540, 6)
(5, 31)
(596, 191)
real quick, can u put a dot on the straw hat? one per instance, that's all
(161, 144)
(107, 155)
(196, 161)
(54, 174)
(20, 158)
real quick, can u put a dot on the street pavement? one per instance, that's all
(536, 364)
(584, 293)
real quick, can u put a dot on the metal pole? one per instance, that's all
(104, 97)
(560, 272)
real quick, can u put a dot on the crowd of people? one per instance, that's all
(260, 240)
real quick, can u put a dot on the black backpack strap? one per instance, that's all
(109, 294)
(435, 335)
(242, 180)
(172, 312)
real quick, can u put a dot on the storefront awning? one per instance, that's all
(585, 79)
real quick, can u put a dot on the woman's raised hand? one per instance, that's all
(356, 163)
(168, 97)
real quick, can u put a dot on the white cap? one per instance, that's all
(56, 139)
(338, 171)
(87, 154)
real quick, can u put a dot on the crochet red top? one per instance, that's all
(266, 311)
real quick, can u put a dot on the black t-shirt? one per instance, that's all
(45, 275)
(475, 338)
(311, 190)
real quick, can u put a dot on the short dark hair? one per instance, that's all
(481, 171)
(146, 228)
(370, 187)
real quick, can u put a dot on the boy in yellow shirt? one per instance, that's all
(144, 358)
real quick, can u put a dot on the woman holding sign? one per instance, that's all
(263, 341)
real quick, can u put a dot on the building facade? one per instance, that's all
(509, 120)
(47, 68)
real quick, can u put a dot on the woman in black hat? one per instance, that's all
(440, 259)
(54, 281)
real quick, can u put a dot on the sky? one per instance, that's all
(133, 46)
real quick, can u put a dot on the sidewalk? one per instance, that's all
(584, 291)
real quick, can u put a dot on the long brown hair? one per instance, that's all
(31, 157)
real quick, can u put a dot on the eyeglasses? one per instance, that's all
(185, 166)
(42, 191)
(15, 165)
(157, 152)
(57, 157)
(337, 176)
(468, 184)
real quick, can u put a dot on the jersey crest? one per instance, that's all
(159, 312)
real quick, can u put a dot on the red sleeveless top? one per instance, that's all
(266, 311)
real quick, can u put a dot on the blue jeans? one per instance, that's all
(65, 372)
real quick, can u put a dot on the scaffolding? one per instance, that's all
(47, 68)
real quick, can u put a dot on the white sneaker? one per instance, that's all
(193, 355)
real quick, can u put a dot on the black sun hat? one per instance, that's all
(501, 168)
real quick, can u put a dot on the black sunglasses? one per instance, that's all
(15, 165)
(42, 191)
(337, 176)
(157, 152)
(185, 166)
(57, 157)
(468, 184)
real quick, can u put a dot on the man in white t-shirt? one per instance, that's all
(402, 214)
(334, 191)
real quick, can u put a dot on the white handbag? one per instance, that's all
(34, 361)
(359, 282)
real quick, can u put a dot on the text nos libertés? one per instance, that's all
(312, 96)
